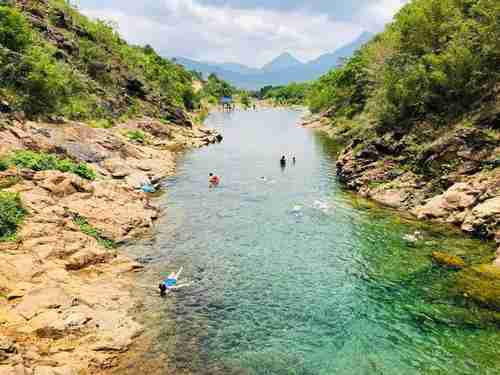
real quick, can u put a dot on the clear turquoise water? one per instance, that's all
(278, 290)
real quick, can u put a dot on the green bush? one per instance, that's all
(3, 165)
(48, 84)
(294, 93)
(15, 32)
(39, 161)
(12, 214)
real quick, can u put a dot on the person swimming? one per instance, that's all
(169, 283)
(213, 180)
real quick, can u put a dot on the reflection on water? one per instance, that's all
(291, 276)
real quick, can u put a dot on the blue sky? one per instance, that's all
(251, 32)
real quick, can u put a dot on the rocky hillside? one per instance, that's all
(418, 113)
(55, 63)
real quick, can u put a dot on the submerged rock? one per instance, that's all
(481, 284)
(448, 261)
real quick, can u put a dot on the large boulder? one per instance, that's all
(457, 198)
(484, 219)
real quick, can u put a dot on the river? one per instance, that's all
(290, 274)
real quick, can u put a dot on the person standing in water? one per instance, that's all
(283, 163)
(294, 160)
(213, 180)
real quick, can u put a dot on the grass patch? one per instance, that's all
(136, 136)
(12, 214)
(89, 230)
(40, 161)
(101, 124)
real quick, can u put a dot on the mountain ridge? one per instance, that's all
(282, 70)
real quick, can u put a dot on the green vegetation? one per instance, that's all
(89, 230)
(56, 62)
(136, 136)
(245, 100)
(438, 60)
(9, 181)
(294, 93)
(12, 214)
(40, 161)
(215, 88)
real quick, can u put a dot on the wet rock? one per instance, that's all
(448, 261)
(391, 198)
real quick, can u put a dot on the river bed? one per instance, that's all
(291, 274)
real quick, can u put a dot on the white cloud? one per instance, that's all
(252, 36)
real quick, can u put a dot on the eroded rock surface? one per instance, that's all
(65, 298)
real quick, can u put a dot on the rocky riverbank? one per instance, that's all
(454, 178)
(65, 286)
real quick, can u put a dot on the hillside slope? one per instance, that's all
(56, 62)
(418, 111)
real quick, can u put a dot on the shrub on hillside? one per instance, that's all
(11, 215)
(439, 58)
(48, 84)
(39, 161)
(15, 32)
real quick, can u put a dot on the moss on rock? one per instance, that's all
(448, 261)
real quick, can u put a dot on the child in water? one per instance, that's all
(213, 180)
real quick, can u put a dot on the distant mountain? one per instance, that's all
(281, 71)
(283, 61)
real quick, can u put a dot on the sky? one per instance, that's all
(250, 32)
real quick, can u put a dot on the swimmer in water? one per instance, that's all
(213, 180)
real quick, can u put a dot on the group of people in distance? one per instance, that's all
(283, 160)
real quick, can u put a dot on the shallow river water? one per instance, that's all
(290, 274)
